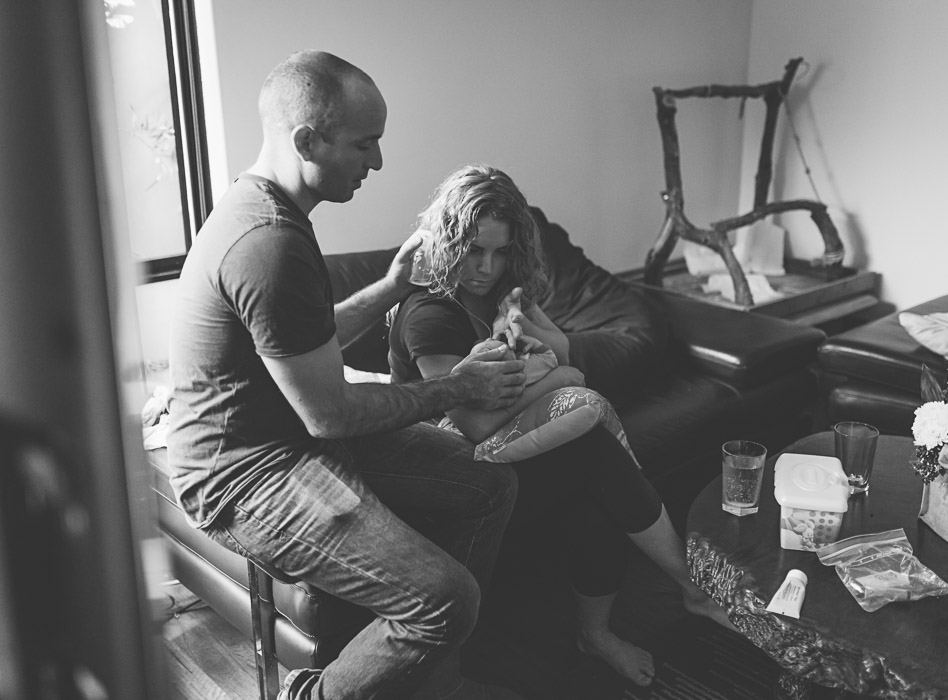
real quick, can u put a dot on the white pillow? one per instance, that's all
(930, 330)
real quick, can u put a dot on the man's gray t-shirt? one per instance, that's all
(254, 284)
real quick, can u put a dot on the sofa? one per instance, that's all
(872, 373)
(684, 376)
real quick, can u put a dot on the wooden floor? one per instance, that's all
(206, 658)
(525, 642)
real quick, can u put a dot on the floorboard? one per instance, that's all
(524, 641)
(206, 657)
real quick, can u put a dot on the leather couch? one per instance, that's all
(873, 373)
(684, 377)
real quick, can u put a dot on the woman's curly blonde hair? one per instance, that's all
(466, 195)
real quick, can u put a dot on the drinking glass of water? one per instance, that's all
(743, 471)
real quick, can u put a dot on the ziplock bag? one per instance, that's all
(879, 568)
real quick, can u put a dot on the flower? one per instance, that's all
(931, 424)
(930, 430)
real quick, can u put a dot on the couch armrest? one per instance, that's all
(883, 353)
(739, 347)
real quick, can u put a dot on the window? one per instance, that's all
(159, 104)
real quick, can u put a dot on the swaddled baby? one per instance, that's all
(539, 359)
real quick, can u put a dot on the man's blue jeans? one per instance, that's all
(331, 518)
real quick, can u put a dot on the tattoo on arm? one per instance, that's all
(373, 408)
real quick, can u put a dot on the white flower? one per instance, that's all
(931, 424)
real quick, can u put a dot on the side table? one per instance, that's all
(899, 651)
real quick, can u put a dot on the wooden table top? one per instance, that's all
(900, 650)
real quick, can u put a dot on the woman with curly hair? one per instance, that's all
(485, 271)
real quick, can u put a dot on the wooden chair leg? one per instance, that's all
(268, 674)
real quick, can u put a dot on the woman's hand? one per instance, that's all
(512, 323)
(527, 343)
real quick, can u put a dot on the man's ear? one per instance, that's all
(305, 140)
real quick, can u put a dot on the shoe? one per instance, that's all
(300, 684)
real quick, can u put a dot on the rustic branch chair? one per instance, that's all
(676, 224)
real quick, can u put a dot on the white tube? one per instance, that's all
(789, 597)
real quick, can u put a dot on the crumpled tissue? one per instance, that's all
(759, 287)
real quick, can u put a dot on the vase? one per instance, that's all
(934, 508)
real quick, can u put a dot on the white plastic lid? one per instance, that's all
(811, 482)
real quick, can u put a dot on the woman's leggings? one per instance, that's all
(598, 486)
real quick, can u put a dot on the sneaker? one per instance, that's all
(300, 684)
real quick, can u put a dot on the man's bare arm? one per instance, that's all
(357, 313)
(477, 423)
(330, 407)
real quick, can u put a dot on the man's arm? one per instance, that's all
(330, 407)
(479, 422)
(357, 313)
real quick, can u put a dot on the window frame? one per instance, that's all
(187, 101)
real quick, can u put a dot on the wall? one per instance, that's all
(557, 94)
(870, 114)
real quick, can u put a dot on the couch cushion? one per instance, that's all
(348, 273)
(617, 335)
(742, 348)
(883, 353)
(890, 410)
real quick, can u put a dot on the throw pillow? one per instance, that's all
(552, 420)
(930, 330)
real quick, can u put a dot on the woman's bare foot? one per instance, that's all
(697, 603)
(626, 659)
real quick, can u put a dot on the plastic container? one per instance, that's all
(813, 493)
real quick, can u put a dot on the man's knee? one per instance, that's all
(499, 484)
(457, 603)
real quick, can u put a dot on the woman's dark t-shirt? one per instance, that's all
(427, 325)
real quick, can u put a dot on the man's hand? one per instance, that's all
(507, 324)
(491, 380)
(493, 344)
(399, 271)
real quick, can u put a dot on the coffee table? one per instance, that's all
(898, 651)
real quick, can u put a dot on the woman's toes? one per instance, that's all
(626, 659)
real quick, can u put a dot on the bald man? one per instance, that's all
(275, 456)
